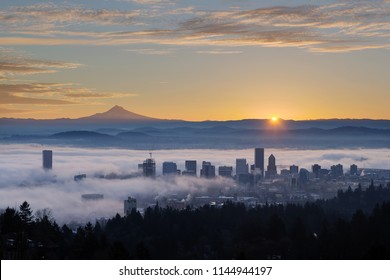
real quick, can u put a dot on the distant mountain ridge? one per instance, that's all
(219, 137)
(118, 119)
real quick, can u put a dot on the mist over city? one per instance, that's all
(115, 174)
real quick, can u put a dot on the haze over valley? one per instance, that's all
(123, 129)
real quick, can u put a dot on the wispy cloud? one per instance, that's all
(55, 16)
(340, 27)
(149, 2)
(90, 94)
(150, 51)
(52, 94)
(5, 110)
(13, 64)
(10, 98)
(219, 51)
(14, 92)
(182, 11)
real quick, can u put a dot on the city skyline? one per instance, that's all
(195, 60)
(114, 173)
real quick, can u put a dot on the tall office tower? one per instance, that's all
(190, 166)
(294, 169)
(337, 170)
(225, 171)
(304, 176)
(47, 159)
(241, 166)
(259, 160)
(129, 205)
(149, 168)
(208, 170)
(169, 168)
(316, 168)
(353, 170)
(271, 168)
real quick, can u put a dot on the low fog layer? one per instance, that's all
(22, 177)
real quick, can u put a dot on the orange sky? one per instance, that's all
(195, 61)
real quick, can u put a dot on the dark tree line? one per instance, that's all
(353, 225)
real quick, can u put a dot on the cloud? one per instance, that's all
(51, 94)
(219, 51)
(56, 16)
(28, 93)
(151, 3)
(341, 27)
(182, 11)
(321, 28)
(150, 51)
(13, 63)
(9, 98)
(5, 110)
(88, 93)
(147, 2)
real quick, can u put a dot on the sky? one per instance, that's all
(23, 178)
(195, 60)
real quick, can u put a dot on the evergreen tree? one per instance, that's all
(25, 213)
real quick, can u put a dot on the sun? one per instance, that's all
(274, 119)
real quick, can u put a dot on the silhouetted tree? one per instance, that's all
(25, 213)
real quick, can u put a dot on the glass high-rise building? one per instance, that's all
(190, 166)
(271, 169)
(225, 171)
(353, 170)
(47, 159)
(149, 168)
(294, 169)
(208, 170)
(169, 168)
(241, 166)
(259, 160)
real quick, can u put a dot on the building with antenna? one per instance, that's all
(149, 167)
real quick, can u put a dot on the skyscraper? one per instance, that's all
(304, 176)
(190, 166)
(353, 170)
(337, 170)
(149, 168)
(241, 166)
(129, 205)
(225, 171)
(294, 169)
(208, 170)
(259, 160)
(316, 168)
(47, 159)
(271, 168)
(169, 168)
